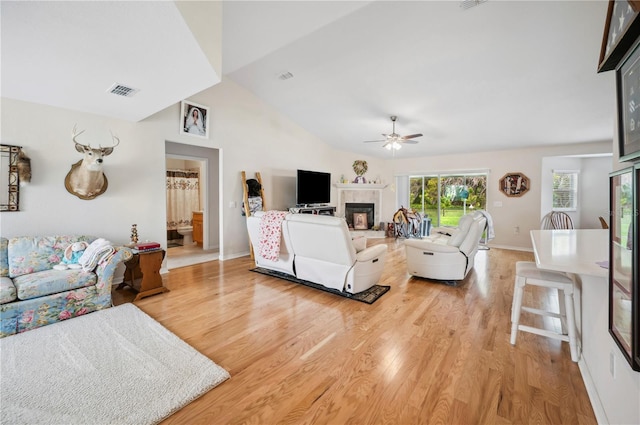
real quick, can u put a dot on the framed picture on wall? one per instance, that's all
(623, 263)
(194, 119)
(360, 221)
(621, 29)
(628, 97)
(514, 184)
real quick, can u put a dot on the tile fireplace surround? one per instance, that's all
(361, 193)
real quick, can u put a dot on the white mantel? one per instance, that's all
(360, 186)
(360, 193)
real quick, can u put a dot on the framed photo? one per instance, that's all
(194, 119)
(514, 184)
(623, 264)
(621, 29)
(360, 221)
(628, 96)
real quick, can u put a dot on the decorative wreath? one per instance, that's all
(360, 167)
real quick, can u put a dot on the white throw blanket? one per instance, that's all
(99, 251)
(270, 234)
(490, 232)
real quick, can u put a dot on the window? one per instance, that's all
(447, 197)
(565, 190)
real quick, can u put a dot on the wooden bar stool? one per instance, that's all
(527, 273)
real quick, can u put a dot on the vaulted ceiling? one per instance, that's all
(499, 75)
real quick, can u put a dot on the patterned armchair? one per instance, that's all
(33, 294)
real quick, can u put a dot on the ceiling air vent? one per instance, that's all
(467, 4)
(122, 90)
(285, 76)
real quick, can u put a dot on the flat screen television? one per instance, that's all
(313, 187)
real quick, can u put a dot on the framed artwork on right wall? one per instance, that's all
(622, 28)
(624, 316)
(628, 96)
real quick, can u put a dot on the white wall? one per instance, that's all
(614, 394)
(594, 184)
(593, 188)
(507, 212)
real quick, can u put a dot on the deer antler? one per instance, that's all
(114, 138)
(75, 134)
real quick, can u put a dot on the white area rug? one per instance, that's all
(115, 366)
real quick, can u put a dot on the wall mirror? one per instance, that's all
(9, 181)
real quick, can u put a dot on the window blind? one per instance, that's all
(565, 190)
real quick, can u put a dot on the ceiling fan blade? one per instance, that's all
(411, 136)
(374, 141)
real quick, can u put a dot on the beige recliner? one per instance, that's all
(448, 255)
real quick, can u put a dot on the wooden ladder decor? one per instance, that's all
(247, 210)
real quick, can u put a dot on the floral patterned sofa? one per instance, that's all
(33, 294)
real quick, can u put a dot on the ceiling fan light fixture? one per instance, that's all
(394, 140)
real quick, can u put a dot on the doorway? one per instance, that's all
(447, 197)
(180, 157)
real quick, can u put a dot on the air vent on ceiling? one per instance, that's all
(122, 90)
(285, 76)
(467, 4)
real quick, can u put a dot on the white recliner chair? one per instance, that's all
(448, 255)
(320, 249)
(325, 254)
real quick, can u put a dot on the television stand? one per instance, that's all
(321, 210)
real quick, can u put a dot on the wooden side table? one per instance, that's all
(142, 274)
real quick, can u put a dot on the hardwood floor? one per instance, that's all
(423, 353)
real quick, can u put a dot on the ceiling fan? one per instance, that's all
(394, 140)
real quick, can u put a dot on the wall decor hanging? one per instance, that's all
(24, 168)
(9, 178)
(194, 119)
(514, 184)
(628, 98)
(624, 316)
(86, 179)
(621, 30)
(360, 167)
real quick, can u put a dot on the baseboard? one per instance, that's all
(513, 248)
(596, 404)
(232, 256)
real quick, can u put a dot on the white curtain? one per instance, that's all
(183, 198)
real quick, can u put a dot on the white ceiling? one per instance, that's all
(69, 53)
(504, 74)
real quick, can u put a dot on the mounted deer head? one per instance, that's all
(86, 179)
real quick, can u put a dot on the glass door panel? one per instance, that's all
(446, 198)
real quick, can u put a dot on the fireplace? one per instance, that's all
(358, 194)
(351, 208)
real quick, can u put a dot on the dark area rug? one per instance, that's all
(369, 296)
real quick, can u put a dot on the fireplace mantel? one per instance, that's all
(360, 186)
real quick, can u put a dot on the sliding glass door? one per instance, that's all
(447, 197)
